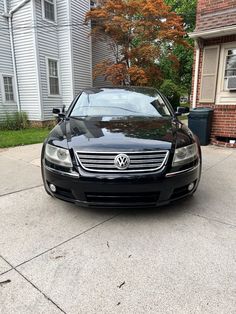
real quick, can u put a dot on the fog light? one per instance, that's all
(52, 188)
(191, 187)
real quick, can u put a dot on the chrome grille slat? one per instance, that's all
(148, 161)
(139, 161)
(92, 156)
(141, 156)
(94, 161)
(131, 155)
(100, 166)
(113, 167)
(142, 166)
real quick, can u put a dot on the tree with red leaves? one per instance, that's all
(137, 30)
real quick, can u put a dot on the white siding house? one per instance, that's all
(46, 55)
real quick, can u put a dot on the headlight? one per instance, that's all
(185, 155)
(59, 156)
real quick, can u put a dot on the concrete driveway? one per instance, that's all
(59, 258)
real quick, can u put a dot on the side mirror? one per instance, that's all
(181, 110)
(57, 112)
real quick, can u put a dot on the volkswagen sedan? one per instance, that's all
(121, 147)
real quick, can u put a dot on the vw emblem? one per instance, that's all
(122, 161)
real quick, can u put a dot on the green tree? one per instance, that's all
(178, 68)
(186, 9)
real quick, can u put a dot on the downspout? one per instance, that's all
(14, 64)
(10, 16)
(197, 62)
(5, 6)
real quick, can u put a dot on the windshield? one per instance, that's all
(119, 102)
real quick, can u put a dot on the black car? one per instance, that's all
(121, 147)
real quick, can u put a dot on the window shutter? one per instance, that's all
(209, 74)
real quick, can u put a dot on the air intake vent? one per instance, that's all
(124, 199)
(232, 83)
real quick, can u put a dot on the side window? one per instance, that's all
(53, 77)
(8, 88)
(49, 10)
(230, 70)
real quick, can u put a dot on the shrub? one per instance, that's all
(15, 121)
(171, 91)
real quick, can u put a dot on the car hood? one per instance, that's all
(120, 134)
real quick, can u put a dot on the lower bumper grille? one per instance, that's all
(141, 198)
(182, 191)
(65, 193)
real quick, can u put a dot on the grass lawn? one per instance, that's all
(22, 137)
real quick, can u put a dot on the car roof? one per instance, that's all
(150, 91)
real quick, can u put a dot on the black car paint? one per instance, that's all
(121, 134)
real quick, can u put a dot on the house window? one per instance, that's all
(49, 10)
(8, 88)
(230, 67)
(226, 78)
(53, 77)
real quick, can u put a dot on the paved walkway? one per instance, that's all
(59, 258)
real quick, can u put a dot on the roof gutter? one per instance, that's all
(213, 33)
(10, 16)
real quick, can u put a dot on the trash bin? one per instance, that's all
(199, 122)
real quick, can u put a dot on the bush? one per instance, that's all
(170, 90)
(173, 92)
(15, 121)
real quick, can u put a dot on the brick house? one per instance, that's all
(214, 75)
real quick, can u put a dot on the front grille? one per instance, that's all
(139, 161)
(122, 198)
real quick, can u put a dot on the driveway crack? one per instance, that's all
(22, 190)
(212, 219)
(68, 240)
(217, 163)
(33, 285)
(5, 272)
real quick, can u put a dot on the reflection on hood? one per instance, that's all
(136, 127)
(86, 127)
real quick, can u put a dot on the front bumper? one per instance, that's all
(134, 191)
